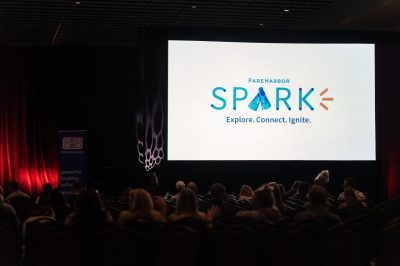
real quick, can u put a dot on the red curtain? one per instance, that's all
(27, 152)
(388, 117)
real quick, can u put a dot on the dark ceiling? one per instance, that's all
(116, 22)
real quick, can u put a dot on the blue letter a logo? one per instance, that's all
(260, 98)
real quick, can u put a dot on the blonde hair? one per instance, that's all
(246, 191)
(324, 176)
(141, 201)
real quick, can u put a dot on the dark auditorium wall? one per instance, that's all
(93, 88)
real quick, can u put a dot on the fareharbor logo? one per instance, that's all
(282, 99)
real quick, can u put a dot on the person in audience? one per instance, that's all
(16, 192)
(192, 186)
(88, 209)
(351, 200)
(7, 212)
(278, 197)
(20, 201)
(43, 199)
(322, 180)
(218, 202)
(77, 189)
(263, 207)
(142, 209)
(187, 207)
(302, 192)
(293, 189)
(59, 205)
(349, 182)
(246, 193)
(318, 207)
(179, 186)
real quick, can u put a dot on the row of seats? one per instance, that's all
(188, 242)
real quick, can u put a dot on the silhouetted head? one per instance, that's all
(246, 191)
(317, 195)
(192, 186)
(46, 189)
(218, 191)
(263, 198)
(141, 201)
(187, 203)
(180, 185)
(323, 177)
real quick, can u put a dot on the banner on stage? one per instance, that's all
(72, 159)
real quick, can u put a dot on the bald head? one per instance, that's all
(180, 185)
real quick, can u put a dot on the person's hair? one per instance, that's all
(1, 195)
(295, 185)
(180, 185)
(278, 197)
(323, 176)
(217, 191)
(192, 186)
(246, 191)
(89, 205)
(187, 203)
(56, 198)
(349, 193)
(263, 198)
(14, 185)
(317, 195)
(46, 189)
(141, 201)
(303, 188)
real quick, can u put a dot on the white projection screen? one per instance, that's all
(270, 101)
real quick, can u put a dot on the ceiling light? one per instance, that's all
(261, 24)
(77, 3)
(194, 7)
(286, 10)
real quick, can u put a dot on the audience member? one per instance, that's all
(192, 186)
(293, 189)
(218, 202)
(88, 209)
(317, 207)
(77, 189)
(263, 207)
(43, 199)
(187, 207)
(20, 201)
(7, 212)
(322, 180)
(351, 200)
(349, 182)
(246, 193)
(59, 205)
(179, 186)
(15, 192)
(302, 192)
(142, 209)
